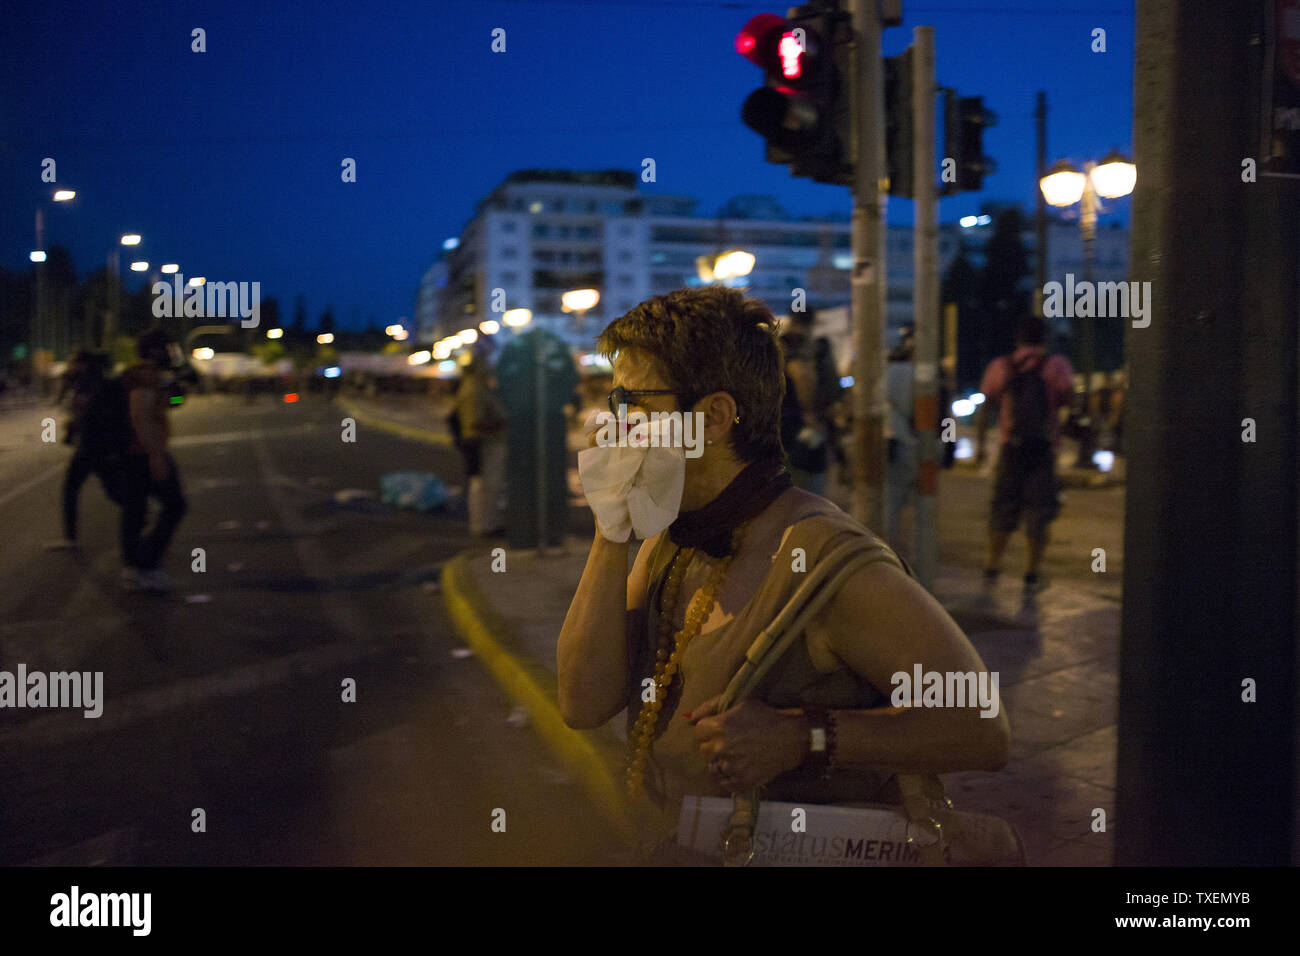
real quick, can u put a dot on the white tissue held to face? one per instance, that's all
(634, 482)
(636, 429)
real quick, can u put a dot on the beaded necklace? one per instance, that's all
(666, 663)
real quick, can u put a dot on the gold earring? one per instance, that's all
(736, 419)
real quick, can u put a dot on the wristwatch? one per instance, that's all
(821, 740)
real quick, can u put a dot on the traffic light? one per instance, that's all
(898, 123)
(964, 122)
(802, 111)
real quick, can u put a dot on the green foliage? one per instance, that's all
(269, 351)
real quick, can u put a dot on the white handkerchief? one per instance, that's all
(636, 486)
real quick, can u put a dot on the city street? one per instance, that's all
(227, 694)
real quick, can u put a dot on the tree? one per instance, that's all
(1005, 298)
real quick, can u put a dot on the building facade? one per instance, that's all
(544, 232)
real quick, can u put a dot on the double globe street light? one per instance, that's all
(1062, 186)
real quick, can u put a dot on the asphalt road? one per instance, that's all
(227, 696)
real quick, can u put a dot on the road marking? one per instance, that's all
(22, 489)
(58, 729)
(251, 434)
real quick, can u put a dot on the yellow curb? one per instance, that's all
(572, 746)
(383, 424)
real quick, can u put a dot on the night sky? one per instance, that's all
(228, 162)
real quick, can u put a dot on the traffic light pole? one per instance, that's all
(925, 298)
(868, 283)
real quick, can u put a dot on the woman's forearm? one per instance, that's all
(920, 739)
(592, 651)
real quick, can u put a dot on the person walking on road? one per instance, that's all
(900, 479)
(1028, 387)
(99, 432)
(483, 444)
(149, 470)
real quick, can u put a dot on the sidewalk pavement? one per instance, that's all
(1057, 657)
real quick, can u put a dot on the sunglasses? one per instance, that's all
(625, 396)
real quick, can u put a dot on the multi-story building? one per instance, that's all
(544, 232)
(426, 302)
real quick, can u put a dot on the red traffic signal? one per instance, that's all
(781, 49)
(800, 110)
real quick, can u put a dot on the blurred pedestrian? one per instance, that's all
(149, 470)
(903, 447)
(805, 431)
(483, 445)
(99, 432)
(1028, 387)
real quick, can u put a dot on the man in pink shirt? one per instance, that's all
(1028, 387)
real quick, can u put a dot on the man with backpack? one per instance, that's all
(99, 432)
(149, 470)
(1028, 387)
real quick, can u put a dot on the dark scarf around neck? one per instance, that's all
(710, 528)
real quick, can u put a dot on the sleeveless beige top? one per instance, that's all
(810, 672)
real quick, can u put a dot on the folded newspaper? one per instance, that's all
(789, 834)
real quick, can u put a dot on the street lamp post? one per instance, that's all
(115, 268)
(579, 301)
(1064, 186)
(42, 323)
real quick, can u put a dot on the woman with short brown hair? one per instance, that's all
(701, 590)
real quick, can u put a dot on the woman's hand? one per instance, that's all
(751, 743)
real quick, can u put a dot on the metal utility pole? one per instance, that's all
(1207, 708)
(1040, 208)
(925, 299)
(38, 322)
(868, 282)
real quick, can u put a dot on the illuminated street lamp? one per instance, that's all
(139, 265)
(275, 333)
(1064, 186)
(170, 268)
(516, 318)
(731, 264)
(131, 239)
(63, 195)
(196, 281)
(325, 338)
(578, 301)
(489, 327)
(468, 336)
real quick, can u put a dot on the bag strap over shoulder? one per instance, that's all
(770, 646)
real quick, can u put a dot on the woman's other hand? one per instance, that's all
(750, 744)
